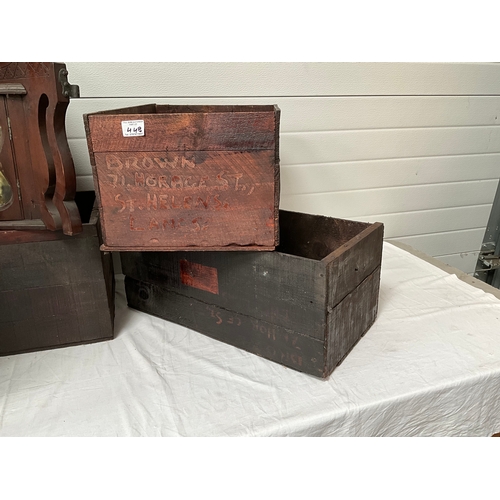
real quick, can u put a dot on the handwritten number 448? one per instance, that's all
(134, 130)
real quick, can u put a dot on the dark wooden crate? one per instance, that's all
(55, 290)
(200, 178)
(305, 305)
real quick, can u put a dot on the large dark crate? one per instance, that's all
(305, 305)
(55, 290)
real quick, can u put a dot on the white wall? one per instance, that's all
(415, 146)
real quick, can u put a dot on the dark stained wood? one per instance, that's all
(351, 319)
(316, 237)
(44, 166)
(308, 287)
(55, 290)
(201, 177)
(22, 225)
(350, 264)
(13, 236)
(272, 286)
(268, 340)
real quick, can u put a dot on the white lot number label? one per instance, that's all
(133, 128)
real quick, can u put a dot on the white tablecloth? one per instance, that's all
(429, 366)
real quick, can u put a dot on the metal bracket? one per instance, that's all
(68, 90)
(490, 260)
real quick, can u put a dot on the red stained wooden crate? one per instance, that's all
(200, 178)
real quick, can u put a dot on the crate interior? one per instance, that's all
(315, 236)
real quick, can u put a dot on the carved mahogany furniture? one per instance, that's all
(36, 160)
(186, 177)
(56, 286)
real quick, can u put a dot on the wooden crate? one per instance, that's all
(194, 178)
(55, 290)
(305, 305)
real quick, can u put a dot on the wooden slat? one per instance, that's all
(283, 79)
(352, 263)
(186, 132)
(261, 285)
(22, 225)
(257, 336)
(352, 318)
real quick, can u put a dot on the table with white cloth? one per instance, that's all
(429, 366)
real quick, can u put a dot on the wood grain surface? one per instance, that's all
(201, 177)
(55, 290)
(304, 305)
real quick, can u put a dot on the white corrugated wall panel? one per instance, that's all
(332, 113)
(413, 145)
(283, 79)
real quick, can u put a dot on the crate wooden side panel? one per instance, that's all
(281, 289)
(346, 325)
(54, 292)
(202, 131)
(256, 336)
(320, 286)
(352, 262)
(200, 178)
(350, 320)
(205, 199)
(316, 236)
(319, 261)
